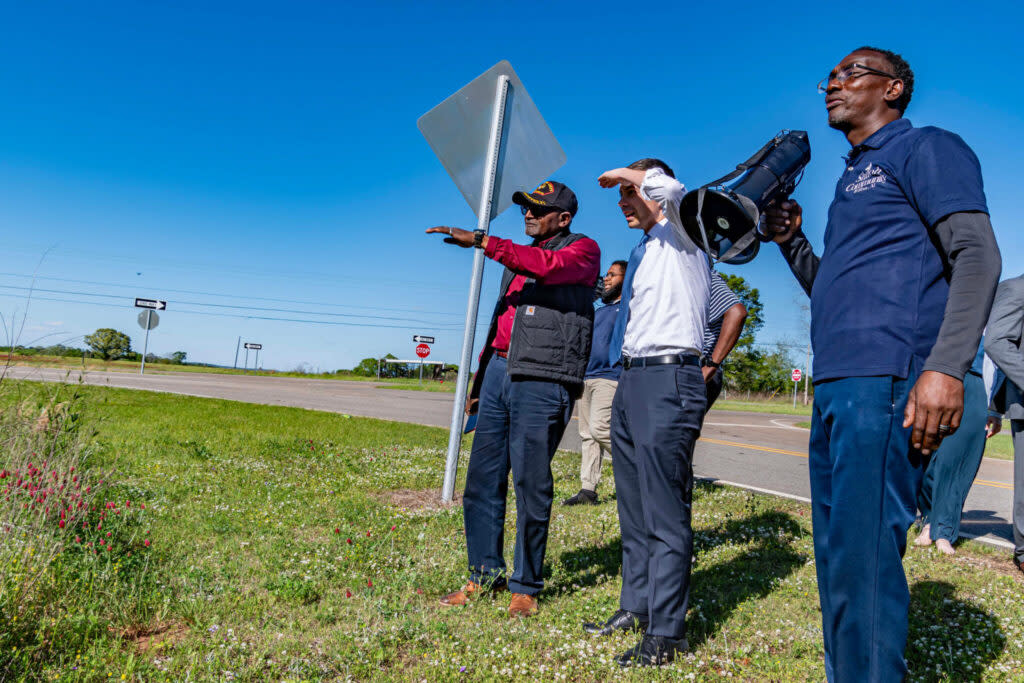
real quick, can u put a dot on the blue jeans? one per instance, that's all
(656, 418)
(519, 426)
(864, 483)
(953, 467)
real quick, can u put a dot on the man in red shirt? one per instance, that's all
(531, 371)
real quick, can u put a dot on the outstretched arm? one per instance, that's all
(783, 224)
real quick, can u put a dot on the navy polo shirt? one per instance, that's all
(880, 292)
(598, 365)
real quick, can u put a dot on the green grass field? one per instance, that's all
(295, 545)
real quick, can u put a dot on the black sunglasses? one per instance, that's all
(538, 211)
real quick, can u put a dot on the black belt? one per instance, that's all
(668, 359)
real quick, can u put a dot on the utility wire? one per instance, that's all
(237, 306)
(228, 296)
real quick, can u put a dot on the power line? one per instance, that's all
(446, 325)
(220, 315)
(228, 296)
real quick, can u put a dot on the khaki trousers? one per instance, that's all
(595, 418)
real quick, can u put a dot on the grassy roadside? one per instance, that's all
(298, 545)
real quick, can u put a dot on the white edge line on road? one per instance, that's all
(755, 426)
(987, 540)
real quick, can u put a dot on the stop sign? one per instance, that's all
(796, 374)
(422, 350)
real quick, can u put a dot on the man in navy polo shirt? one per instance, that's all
(899, 300)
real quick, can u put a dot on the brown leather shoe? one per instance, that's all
(522, 605)
(470, 590)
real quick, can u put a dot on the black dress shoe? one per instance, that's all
(584, 497)
(653, 651)
(622, 620)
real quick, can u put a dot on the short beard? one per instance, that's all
(610, 296)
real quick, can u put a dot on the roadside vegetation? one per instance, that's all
(287, 544)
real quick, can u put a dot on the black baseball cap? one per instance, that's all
(550, 193)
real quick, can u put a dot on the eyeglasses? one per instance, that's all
(613, 274)
(847, 73)
(537, 211)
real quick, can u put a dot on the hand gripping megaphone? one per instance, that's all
(722, 219)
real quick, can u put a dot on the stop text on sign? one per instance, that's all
(422, 350)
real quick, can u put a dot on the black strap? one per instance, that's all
(752, 161)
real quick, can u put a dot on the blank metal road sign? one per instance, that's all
(154, 304)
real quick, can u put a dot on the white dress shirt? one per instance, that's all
(668, 309)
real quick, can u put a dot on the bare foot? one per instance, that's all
(944, 547)
(924, 539)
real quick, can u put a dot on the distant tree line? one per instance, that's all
(104, 344)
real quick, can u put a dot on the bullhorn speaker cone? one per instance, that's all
(722, 219)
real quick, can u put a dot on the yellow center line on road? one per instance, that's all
(766, 449)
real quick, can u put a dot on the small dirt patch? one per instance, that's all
(418, 499)
(1001, 566)
(148, 638)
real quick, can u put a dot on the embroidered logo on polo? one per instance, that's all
(871, 175)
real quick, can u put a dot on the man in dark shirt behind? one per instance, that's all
(530, 374)
(595, 408)
(898, 303)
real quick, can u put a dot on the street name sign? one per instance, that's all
(153, 304)
(422, 338)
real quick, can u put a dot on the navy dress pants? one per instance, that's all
(656, 419)
(864, 483)
(519, 425)
(953, 467)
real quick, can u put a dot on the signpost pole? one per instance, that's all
(256, 363)
(145, 345)
(466, 358)
(795, 385)
(237, 345)
(246, 368)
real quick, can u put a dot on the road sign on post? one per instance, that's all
(796, 382)
(422, 350)
(421, 338)
(492, 140)
(256, 348)
(147, 321)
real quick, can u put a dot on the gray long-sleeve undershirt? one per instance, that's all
(973, 265)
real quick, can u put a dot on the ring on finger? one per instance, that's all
(944, 429)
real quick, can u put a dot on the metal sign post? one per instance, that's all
(147, 321)
(145, 344)
(492, 140)
(466, 357)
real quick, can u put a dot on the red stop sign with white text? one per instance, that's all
(422, 350)
(796, 374)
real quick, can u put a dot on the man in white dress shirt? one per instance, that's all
(657, 411)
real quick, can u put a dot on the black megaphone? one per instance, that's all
(722, 219)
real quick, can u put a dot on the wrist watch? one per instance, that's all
(478, 238)
(708, 363)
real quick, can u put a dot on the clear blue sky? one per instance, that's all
(213, 153)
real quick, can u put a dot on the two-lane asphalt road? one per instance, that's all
(758, 451)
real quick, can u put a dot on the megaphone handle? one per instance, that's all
(781, 198)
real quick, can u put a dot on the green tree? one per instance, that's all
(178, 357)
(109, 344)
(751, 298)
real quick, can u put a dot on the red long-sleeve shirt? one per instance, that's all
(577, 264)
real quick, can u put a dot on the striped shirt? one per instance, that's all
(721, 300)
